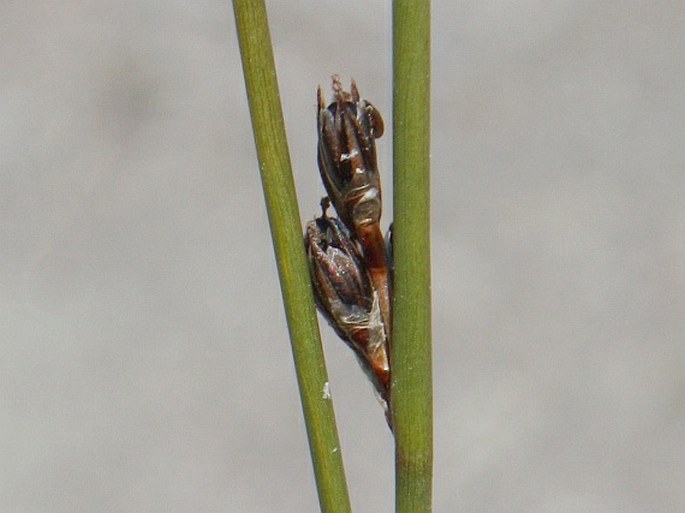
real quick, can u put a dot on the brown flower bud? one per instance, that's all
(346, 297)
(348, 128)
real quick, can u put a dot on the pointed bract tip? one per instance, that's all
(320, 99)
(354, 91)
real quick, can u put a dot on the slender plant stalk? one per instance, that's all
(411, 351)
(281, 202)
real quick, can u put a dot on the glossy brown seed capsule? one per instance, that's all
(346, 297)
(348, 128)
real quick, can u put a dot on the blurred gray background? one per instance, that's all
(145, 365)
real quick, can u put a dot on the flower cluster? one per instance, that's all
(348, 257)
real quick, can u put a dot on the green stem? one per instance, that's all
(281, 202)
(411, 351)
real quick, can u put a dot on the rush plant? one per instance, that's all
(384, 317)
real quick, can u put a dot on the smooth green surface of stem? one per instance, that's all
(411, 352)
(284, 218)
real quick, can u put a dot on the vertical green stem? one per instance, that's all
(411, 353)
(281, 202)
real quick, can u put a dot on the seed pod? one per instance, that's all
(346, 297)
(348, 128)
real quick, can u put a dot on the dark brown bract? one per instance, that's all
(348, 128)
(345, 295)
